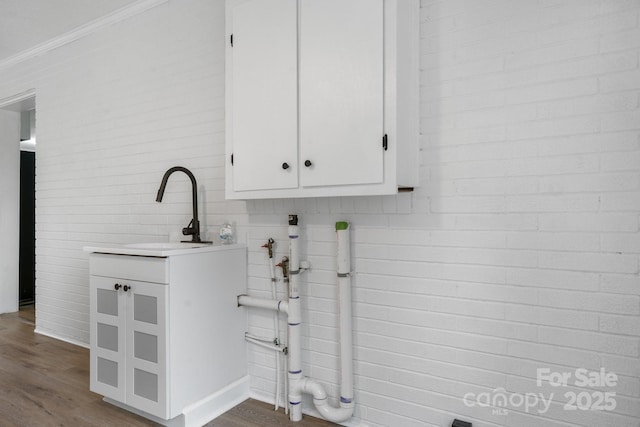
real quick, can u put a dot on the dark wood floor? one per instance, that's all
(45, 382)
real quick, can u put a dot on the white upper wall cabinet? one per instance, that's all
(321, 97)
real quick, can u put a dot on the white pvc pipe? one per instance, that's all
(294, 261)
(269, 304)
(298, 383)
(345, 410)
(344, 313)
(286, 385)
(321, 403)
(294, 373)
(295, 361)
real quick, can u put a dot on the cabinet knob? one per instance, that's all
(126, 288)
(117, 286)
(285, 166)
(308, 163)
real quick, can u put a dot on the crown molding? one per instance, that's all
(23, 101)
(84, 30)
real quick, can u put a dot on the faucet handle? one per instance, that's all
(189, 229)
(193, 230)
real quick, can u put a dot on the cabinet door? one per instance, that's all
(264, 95)
(107, 338)
(147, 347)
(341, 92)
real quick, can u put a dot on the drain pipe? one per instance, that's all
(344, 313)
(345, 410)
(284, 264)
(298, 383)
(295, 318)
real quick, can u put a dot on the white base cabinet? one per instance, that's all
(167, 335)
(321, 97)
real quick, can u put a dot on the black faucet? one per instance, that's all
(193, 228)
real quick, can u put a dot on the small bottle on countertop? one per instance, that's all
(226, 234)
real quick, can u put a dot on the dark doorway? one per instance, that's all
(27, 288)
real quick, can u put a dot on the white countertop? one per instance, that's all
(159, 249)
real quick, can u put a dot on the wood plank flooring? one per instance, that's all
(45, 382)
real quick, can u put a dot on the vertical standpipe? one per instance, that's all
(344, 311)
(345, 410)
(295, 318)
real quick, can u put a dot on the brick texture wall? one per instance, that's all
(518, 251)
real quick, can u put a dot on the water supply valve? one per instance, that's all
(284, 264)
(269, 246)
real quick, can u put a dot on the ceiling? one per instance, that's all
(25, 24)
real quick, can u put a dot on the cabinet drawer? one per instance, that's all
(144, 269)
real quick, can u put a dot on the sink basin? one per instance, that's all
(165, 245)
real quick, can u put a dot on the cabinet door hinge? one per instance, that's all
(231, 159)
(384, 142)
(231, 40)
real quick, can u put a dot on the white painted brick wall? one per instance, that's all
(518, 251)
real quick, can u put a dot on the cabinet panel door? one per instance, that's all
(107, 338)
(147, 347)
(264, 95)
(341, 92)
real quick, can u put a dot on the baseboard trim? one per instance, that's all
(60, 338)
(202, 412)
